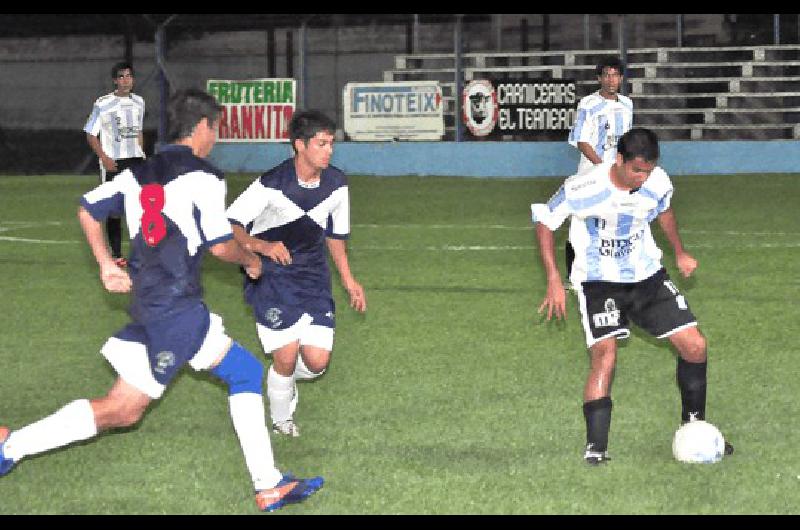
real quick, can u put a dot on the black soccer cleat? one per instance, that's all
(728, 449)
(595, 458)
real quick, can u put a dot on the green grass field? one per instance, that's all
(450, 395)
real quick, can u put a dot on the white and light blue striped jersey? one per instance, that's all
(118, 121)
(601, 122)
(277, 207)
(610, 228)
(185, 215)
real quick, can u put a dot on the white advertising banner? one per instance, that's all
(393, 111)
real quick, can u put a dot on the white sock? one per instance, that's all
(280, 390)
(301, 371)
(247, 413)
(72, 423)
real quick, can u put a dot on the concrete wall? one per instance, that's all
(514, 159)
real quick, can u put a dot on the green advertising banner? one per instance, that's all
(256, 110)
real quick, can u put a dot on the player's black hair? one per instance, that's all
(186, 109)
(306, 124)
(120, 66)
(639, 142)
(610, 61)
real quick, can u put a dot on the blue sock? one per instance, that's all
(241, 371)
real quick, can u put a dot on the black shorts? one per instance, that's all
(122, 165)
(653, 304)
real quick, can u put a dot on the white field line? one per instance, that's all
(507, 227)
(463, 248)
(8, 226)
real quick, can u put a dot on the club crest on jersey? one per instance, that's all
(609, 318)
(273, 316)
(164, 360)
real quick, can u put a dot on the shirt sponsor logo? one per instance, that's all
(619, 248)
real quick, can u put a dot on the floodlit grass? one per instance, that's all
(450, 395)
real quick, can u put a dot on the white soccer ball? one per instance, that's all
(698, 442)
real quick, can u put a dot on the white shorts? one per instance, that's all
(131, 362)
(303, 330)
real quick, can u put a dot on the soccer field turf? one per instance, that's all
(450, 395)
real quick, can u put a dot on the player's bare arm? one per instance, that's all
(109, 163)
(589, 152)
(232, 252)
(338, 250)
(555, 300)
(115, 279)
(274, 250)
(669, 224)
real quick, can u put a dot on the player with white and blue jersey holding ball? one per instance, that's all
(618, 276)
(174, 204)
(289, 215)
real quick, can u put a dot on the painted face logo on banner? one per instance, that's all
(480, 107)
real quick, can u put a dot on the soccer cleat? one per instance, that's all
(289, 490)
(287, 427)
(595, 457)
(6, 464)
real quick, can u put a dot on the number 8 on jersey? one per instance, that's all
(154, 226)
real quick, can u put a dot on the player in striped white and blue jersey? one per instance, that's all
(290, 214)
(618, 275)
(118, 119)
(603, 117)
(174, 204)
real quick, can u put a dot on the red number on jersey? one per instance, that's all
(154, 226)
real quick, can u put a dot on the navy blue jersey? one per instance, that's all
(278, 207)
(174, 205)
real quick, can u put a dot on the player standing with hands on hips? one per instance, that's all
(289, 215)
(617, 275)
(176, 202)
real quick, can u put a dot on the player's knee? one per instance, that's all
(316, 365)
(241, 371)
(695, 349)
(129, 416)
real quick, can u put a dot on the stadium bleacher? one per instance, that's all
(719, 93)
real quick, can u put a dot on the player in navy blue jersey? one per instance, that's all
(174, 204)
(289, 215)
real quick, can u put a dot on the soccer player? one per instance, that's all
(618, 275)
(174, 205)
(603, 117)
(289, 215)
(118, 118)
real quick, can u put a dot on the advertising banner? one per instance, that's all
(256, 110)
(393, 111)
(518, 107)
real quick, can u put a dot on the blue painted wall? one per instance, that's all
(514, 159)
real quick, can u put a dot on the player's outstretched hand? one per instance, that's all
(274, 250)
(115, 279)
(686, 263)
(555, 301)
(358, 300)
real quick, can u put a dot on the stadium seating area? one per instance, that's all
(719, 93)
